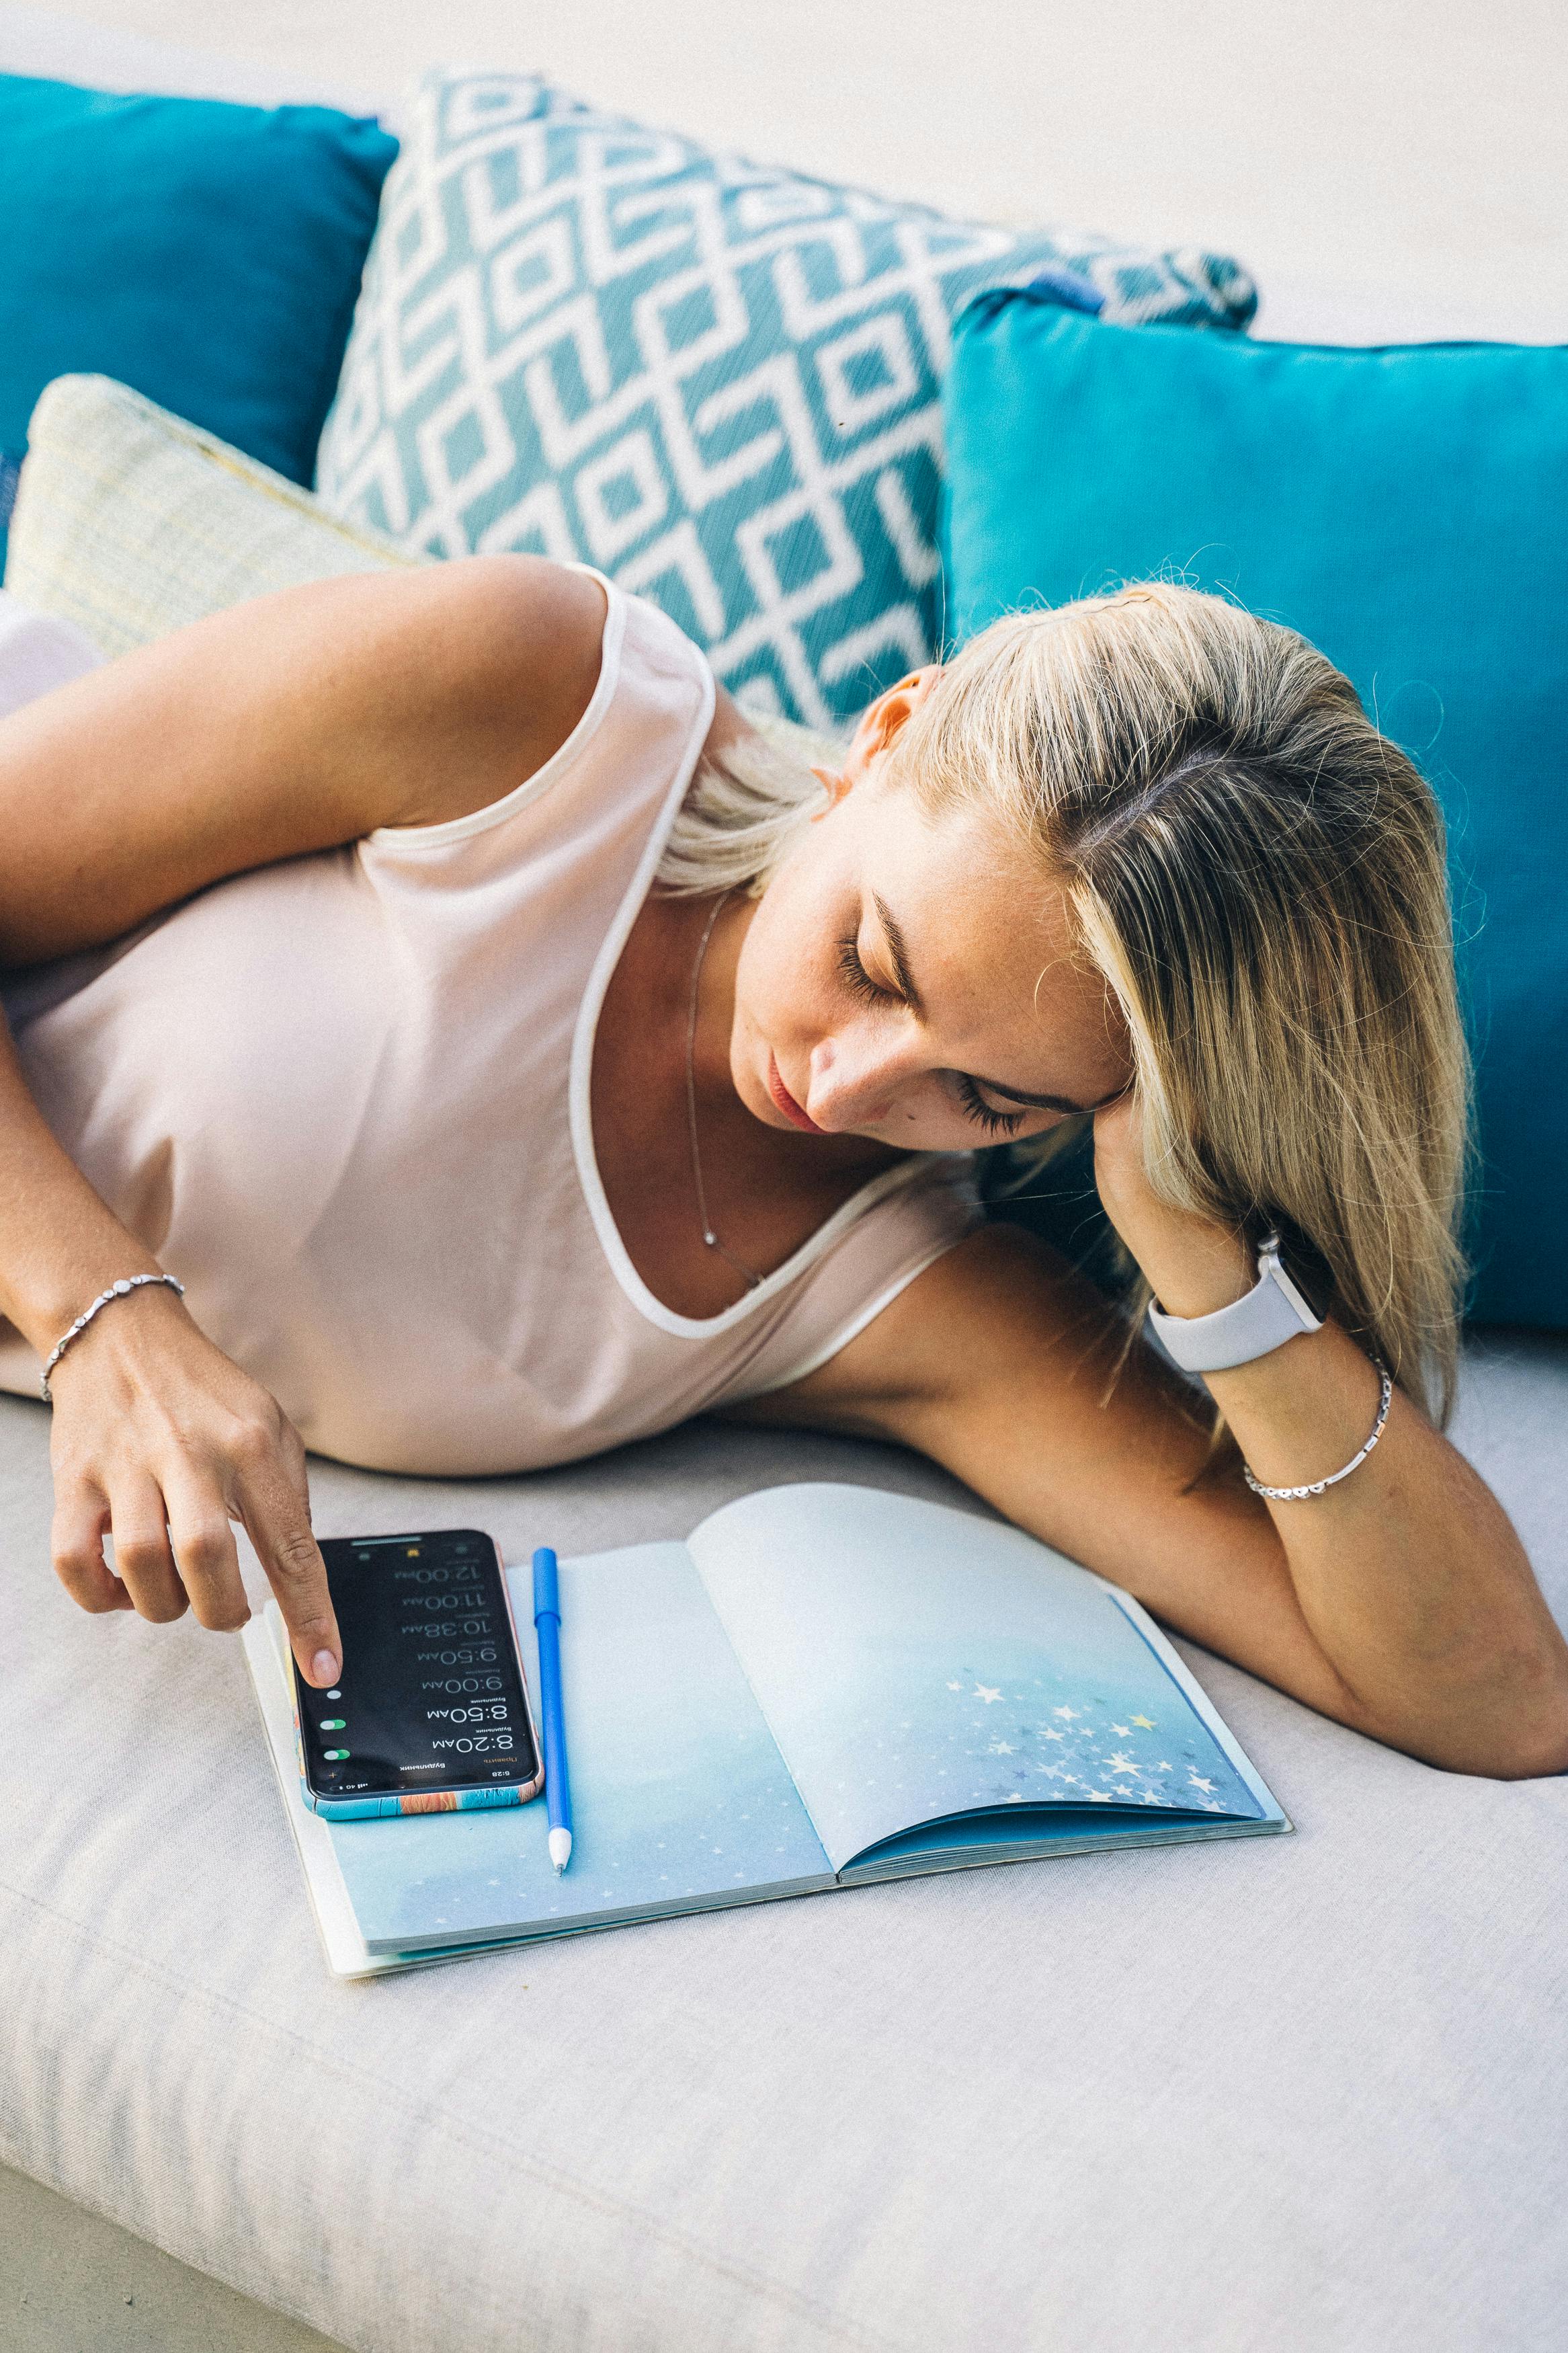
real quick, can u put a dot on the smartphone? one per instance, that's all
(431, 1713)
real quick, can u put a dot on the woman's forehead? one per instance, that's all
(995, 950)
(964, 887)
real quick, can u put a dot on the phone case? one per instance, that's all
(431, 1801)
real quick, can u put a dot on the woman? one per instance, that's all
(512, 1057)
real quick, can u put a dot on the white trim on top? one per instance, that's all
(684, 1327)
(406, 838)
(859, 1318)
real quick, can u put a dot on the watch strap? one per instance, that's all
(1271, 1312)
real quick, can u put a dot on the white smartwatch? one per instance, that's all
(1272, 1312)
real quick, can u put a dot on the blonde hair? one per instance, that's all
(747, 807)
(1259, 875)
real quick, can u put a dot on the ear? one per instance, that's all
(878, 729)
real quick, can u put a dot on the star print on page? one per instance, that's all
(911, 1680)
(1081, 1727)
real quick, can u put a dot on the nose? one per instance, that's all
(857, 1074)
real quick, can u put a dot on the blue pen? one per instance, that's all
(547, 1625)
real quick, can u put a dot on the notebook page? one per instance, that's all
(914, 1663)
(680, 1800)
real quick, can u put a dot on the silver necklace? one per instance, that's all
(705, 1223)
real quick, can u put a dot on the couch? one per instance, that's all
(1302, 2095)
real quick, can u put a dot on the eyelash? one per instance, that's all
(994, 1123)
(858, 981)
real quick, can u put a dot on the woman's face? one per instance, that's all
(912, 979)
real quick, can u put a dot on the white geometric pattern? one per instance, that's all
(719, 384)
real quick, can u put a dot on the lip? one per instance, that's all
(787, 1103)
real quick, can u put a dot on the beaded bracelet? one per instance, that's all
(1316, 1486)
(119, 1290)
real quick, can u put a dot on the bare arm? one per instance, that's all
(296, 724)
(1400, 1602)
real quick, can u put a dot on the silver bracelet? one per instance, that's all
(119, 1290)
(1316, 1486)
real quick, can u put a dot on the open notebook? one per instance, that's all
(823, 1685)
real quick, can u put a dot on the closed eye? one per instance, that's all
(861, 983)
(857, 980)
(994, 1123)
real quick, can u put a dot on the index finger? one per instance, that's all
(278, 1521)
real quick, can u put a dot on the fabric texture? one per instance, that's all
(413, 1183)
(37, 653)
(718, 381)
(131, 523)
(208, 254)
(1295, 2094)
(1404, 509)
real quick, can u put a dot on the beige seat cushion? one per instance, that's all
(1290, 2095)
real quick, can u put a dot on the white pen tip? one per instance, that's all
(561, 1849)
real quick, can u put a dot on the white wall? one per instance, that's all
(1386, 167)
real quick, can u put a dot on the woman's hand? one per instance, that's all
(160, 1440)
(1192, 1265)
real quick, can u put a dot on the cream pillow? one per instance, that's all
(129, 523)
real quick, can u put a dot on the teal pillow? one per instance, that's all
(1407, 510)
(207, 255)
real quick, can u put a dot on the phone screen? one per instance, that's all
(431, 1694)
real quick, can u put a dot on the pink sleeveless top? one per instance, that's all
(346, 1100)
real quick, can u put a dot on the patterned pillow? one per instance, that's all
(715, 381)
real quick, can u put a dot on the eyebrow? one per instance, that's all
(898, 958)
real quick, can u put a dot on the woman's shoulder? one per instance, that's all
(575, 716)
(508, 649)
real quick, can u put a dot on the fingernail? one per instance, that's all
(324, 1667)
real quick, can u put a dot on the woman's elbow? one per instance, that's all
(1516, 1730)
(1533, 1751)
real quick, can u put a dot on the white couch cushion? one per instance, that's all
(1300, 2094)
